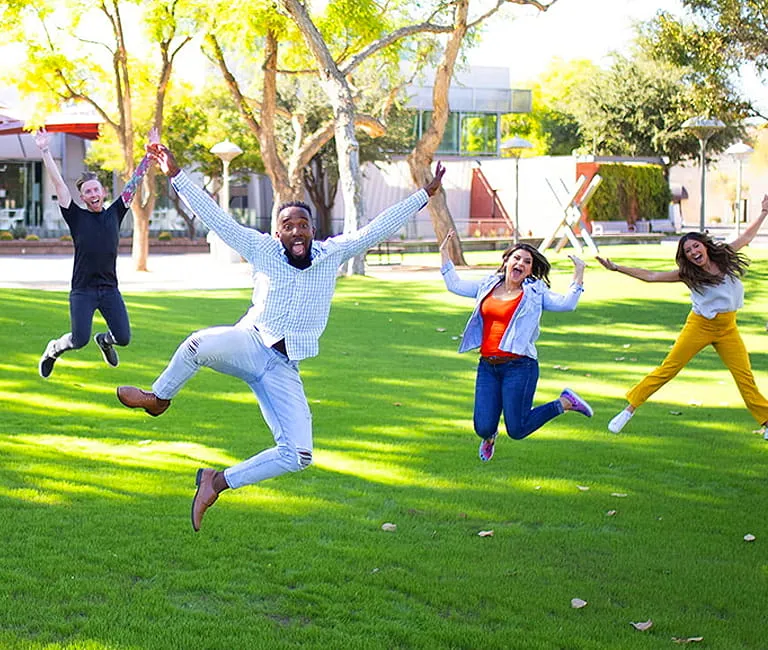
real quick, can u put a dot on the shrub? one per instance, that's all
(630, 192)
(65, 238)
(164, 236)
(6, 235)
(32, 237)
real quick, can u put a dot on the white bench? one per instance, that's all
(619, 227)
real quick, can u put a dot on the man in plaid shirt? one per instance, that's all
(293, 282)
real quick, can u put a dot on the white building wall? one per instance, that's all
(539, 211)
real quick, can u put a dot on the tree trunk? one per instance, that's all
(421, 158)
(343, 105)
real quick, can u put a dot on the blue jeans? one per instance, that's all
(274, 379)
(83, 303)
(509, 387)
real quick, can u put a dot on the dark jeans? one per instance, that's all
(83, 303)
(509, 387)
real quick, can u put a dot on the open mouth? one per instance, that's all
(298, 249)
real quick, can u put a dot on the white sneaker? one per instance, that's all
(765, 433)
(620, 421)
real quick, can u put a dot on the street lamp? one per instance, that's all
(739, 152)
(516, 145)
(226, 151)
(703, 128)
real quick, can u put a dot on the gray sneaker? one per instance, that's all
(107, 351)
(45, 366)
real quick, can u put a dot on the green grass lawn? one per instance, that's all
(98, 551)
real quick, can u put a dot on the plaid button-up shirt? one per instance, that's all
(290, 303)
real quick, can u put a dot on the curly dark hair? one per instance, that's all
(297, 204)
(540, 268)
(729, 261)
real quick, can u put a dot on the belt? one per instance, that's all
(495, 361)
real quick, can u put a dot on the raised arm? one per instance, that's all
(444, 255)
(578, 270)
(751, 230)
(641, 274)
(129, 191)
(63, 195)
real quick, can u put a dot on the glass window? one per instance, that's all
(478, 134)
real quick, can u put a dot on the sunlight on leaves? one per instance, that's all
(578, 603)
(645, 625)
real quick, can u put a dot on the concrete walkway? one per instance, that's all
(167, 273)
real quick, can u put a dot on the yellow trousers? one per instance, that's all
(722, 333)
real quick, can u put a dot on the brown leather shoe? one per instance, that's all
(205, 496)
(136, 398)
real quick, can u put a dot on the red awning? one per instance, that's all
(59, 123)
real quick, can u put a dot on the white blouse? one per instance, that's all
(716, 299)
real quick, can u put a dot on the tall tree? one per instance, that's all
(454, 21)
(79, 52)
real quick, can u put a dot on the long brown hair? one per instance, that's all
(729, 261)
(539, 269)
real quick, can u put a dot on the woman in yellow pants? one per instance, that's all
(712, 271)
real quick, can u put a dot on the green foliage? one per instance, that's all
(6, 235)
(164, 236)
(32, 237)
(65, 238)
(707, 59)
(19, 231)
(630, 192)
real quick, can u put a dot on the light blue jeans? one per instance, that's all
(274, 379)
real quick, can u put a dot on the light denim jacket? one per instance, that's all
(523, 330)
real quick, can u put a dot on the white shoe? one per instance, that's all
(765, 433)
(620, 421)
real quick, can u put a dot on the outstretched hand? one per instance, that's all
(434, 185)
(611, 266)
(451, 234)
(164, 158)
(42, 139)
(578, 263)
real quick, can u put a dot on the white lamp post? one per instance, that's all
(703, 128)
(226, 151)
(516, 145)
(739, 152)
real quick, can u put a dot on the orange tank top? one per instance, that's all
(497, 315)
